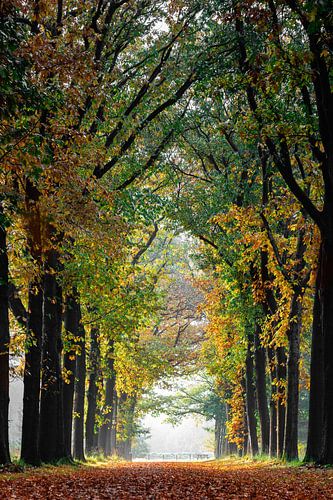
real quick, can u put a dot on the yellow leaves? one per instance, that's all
(258, 291)
(66, 375)
(236, 420)
(236, 217)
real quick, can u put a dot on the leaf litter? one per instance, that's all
(163, 481)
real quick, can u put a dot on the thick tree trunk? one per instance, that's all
(251, 401)
(326, 299)
(61, 441)
(71, 323)
(80, 384)
(92, 390)
(260, 368)
(31, 394)
(315, 429)
(32, 369)
(291, 431)
(51, 408)
(4, 343)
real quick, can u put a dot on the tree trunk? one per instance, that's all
(260, 368)
(80, 384)
(96, 437)
(109, 402)
(4, 343)
(315, 429)
(51, 409)
(219, 433)
(281, 371)
(114, 426)
(272, 406)
(105, 430)
(218, 438)
(291, 432)
(31, 394)
(126, 429)
(107, 450)
(102, 432)
(326, 299)
(71, 321)
(92, 390)
(251, 401)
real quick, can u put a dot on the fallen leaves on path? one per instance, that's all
(178, 481)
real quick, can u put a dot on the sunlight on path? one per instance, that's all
(158, 481)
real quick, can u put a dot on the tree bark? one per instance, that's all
(272, 406)
(80, 384)
(102, 431)
(315, 428)
(219, 431)
(4, 343)
(31, 393)
(291, 431)
(251, 401)
(51, 409)
(326, 298)
(218, 438)
(127, 406)
(260, 368)
(114, 426)
(105, 430)
(71, 321)
(92, 390)
(32, 369)
(281, 371)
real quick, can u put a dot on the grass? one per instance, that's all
(259, 460)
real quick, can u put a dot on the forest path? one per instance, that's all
(181, 480)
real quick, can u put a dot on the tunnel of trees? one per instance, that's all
(166, 210)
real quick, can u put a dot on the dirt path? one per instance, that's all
(158, 481)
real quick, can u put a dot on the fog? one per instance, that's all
(190, 435)
(15, 414)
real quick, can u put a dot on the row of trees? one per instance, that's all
(85, 93)
(118, 113)
(256, 158)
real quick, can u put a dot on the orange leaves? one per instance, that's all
(177, 481)
(236, 428)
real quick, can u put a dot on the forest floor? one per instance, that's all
(162, 480)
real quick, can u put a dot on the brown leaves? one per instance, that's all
(161, 481)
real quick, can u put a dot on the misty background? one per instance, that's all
(190, 436)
